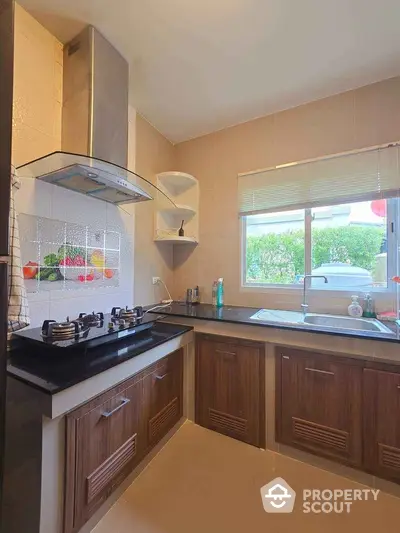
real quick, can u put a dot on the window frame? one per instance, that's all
(392, 228)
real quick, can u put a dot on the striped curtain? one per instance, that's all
(18, 312)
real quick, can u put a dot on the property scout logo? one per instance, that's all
(279, 497)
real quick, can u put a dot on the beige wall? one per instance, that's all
(37, 107)
(154, 154)
(355, 119)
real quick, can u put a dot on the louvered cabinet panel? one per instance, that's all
(326, 437)
(381, 409)
(230, 381)
(318, 404)
(100, 479)
(163, 397)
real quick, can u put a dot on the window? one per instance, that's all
(336, 217)
(275, 248)
(351, 244)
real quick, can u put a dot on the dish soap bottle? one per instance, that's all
(355, 310)
(220, 292)
(369, 308)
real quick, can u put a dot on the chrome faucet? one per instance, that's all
(304, 305)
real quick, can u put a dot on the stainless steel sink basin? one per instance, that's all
(320, 320)
(346, 322)
(279, 316)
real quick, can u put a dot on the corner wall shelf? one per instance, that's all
(173, 239)
(176, 182)
(183, 211)
(183, 190)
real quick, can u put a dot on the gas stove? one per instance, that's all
(90, 330)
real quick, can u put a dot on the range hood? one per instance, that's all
(94, 137)
(90, 176)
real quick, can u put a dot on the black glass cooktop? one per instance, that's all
(95, 335)
(51, 373)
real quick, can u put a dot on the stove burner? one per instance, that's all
(92, 320)
(131, 316)
(63, 330)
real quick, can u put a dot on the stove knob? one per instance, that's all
(121, 324)
(110, 326)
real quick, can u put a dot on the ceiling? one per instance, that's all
(202, 65)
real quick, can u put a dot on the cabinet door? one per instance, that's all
(102, 447)
(382, 423)
(318, 404)
(230, 388)
(163, 397)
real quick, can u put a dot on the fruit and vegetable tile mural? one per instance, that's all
(59, 255)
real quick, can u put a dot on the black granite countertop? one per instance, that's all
(53, 373)
(241, 315)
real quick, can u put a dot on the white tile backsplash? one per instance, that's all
(60, 309)
(75, 207)
(120, 219)
(34, 197)
(38, 311)
(42, 296)
(56, 303)
(90, 294)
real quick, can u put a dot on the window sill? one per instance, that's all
(318, 292)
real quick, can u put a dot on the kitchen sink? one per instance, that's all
(279, 316)
(320, 320)
(346, 322)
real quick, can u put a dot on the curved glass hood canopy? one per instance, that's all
(94, 178)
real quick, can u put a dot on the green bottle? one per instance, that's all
(220, 292)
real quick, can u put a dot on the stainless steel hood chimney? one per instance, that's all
(95, 99)
(94, 140)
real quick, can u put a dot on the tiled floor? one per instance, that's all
(202, 482)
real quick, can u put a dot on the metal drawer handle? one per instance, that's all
(285, 357)
(224, 352)
(320, 371)
(398, 386)
(109, 413)
(162, 377)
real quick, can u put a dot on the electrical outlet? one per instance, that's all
(156, 280)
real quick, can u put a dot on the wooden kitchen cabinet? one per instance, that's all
(381, 408)
(108, 436)
(319, 404)
(230, 379)
(163, 397)
(103, 444)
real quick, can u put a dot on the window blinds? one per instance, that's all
(340, 179)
